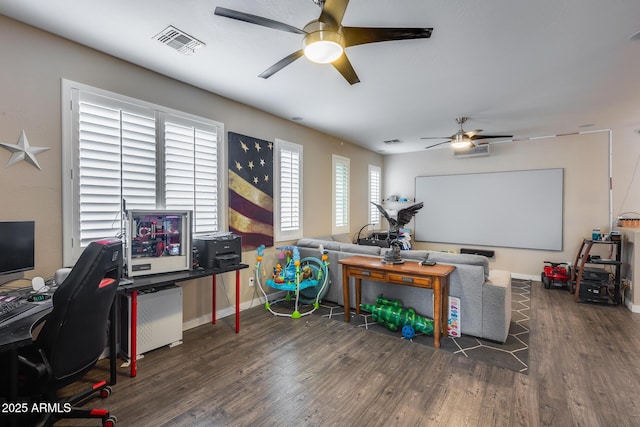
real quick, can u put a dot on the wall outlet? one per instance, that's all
(251, 282)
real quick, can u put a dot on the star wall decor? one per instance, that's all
(23, 151)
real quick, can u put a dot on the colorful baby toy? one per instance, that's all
(306, 280)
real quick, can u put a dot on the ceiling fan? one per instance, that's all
(325, 38)
(462, 139)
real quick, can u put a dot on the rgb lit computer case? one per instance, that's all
(158, 241)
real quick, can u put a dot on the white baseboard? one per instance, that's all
(633, 308)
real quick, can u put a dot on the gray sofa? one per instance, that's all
(485, 295)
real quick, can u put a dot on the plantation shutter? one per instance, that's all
(341, 194)
(117, 161)
(191, 173)
(375, 193)
(116, 149)
(289, 191)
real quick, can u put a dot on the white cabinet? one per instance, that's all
(159, 320)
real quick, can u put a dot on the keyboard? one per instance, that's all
(10, 309)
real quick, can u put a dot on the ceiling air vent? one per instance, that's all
(392, 141)
(473, 151)
(179, 40)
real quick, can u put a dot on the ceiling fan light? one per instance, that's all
(323, 47)
(461, 141)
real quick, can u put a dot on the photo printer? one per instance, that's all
(218, 250)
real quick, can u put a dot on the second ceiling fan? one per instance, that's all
(462, 139)
(326, 38)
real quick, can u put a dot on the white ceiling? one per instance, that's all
(526, 68)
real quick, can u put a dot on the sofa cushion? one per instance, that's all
(359, 249)
(324, 238)
(469, 259)
(315, 243)
(342, 238)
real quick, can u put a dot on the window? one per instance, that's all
(340, 194)
(119, 149)
(375, 193)
(288, 212)
(191, 171)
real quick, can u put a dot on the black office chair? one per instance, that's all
(74, 335)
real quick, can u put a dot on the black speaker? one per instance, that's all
(593, 291)
(483, 252)
(595, 274)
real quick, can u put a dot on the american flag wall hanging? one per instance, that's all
(251, 190)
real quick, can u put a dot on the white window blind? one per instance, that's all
(191, 173)
(375, 193)
(117, 148)
(116, 160)
(341, 167)
(288, 163)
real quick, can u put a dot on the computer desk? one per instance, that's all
(17, 333)
(134, 285)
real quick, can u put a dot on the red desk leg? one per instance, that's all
(134, 334)
(213, 299)
(237, 301)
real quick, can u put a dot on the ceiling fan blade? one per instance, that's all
(281, 64)
(436, 137)
(472, 133)
(345, 68)
(258, 20)
(354, 36)
(479, 137)
(333, 12)
(435, 145)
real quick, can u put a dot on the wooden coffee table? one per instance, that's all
(409, 273)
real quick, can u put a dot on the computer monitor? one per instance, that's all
(17, 246)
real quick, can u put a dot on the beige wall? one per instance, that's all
(33, 65)
(585, 159)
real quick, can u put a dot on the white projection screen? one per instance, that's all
(514, 209)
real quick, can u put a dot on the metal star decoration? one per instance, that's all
(23, 151)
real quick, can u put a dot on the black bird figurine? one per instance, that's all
(403, 218)
(395, 224)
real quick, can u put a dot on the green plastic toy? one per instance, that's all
(390, 314)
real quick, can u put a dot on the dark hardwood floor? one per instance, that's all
(584, 371)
